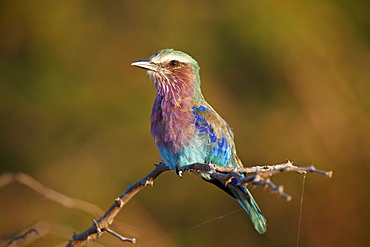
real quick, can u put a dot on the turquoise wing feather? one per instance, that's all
(219, 147)
(217, 137)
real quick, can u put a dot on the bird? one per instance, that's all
(187, 130)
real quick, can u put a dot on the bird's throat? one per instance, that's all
(172, 120)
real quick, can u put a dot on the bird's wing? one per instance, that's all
(219, 145)
(217, 137)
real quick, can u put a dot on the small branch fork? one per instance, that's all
(260, 176)
(102, 225)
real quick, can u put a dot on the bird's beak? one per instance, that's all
(145, 64)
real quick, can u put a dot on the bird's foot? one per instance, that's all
(179, 172)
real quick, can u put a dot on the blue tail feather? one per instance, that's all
(246, 200)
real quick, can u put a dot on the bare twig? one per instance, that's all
(123, 239)
(288, 166)
(100, 226)
(260, 176)
(23, 236)
(22, 178)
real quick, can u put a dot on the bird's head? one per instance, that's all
(172, 71)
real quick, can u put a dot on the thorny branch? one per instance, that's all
(102, 225)
(260, 176)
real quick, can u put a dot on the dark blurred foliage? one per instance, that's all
(291, 78)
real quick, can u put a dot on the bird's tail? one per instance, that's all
(250, 206)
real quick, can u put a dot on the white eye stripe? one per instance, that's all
(169, 57)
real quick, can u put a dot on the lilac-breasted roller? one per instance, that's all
(187, 129)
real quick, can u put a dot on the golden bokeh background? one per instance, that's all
(292, 79)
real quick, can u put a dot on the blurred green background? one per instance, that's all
(290, 77)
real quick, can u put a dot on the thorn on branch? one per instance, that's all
(118, 202)
(149, 183)
(98, 230)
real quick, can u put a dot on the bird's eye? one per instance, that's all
(174, 63)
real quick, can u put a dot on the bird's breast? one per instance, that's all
(172, 124)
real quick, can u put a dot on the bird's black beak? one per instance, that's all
(145, 64)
